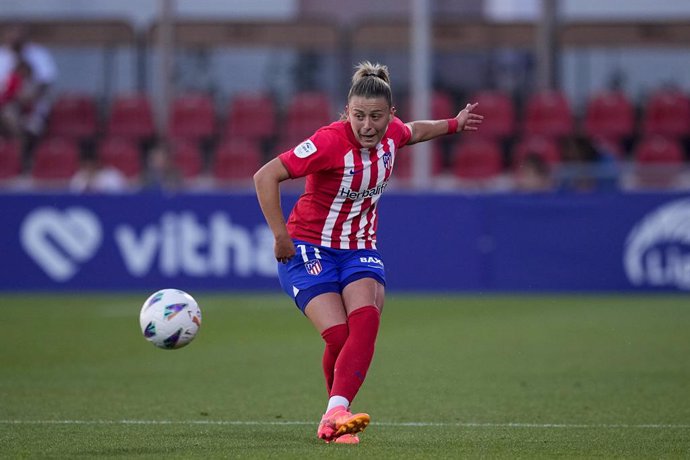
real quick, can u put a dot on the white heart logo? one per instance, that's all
(58, 240)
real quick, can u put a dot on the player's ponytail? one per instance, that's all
(371, 81)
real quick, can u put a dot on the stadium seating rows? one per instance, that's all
(254, 128)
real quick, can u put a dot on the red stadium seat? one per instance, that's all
(10, 159)
(192, 116)
(236, 159)
(307, 112)
(477, 159)
(120, 153)
(610, 116)
(55, 158)
(442, 106)
(131, 116)
(659, 150)
(548, 114)
(187, 158)
(252, 116)
(667, 113)
(658, 162)
(499, 114)
(286, 143)
(544, 147)
(74, 116)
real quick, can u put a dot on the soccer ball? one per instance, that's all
(170, 318)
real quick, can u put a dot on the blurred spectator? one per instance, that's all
(534, 174)
(17, 53)
(18, 48)
(15, 99)
(161, 173)
(93, 177)
(586, 166)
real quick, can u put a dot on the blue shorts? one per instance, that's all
(318, 269)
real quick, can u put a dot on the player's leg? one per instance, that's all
(327, 313)
(363, 300)
(311, 279)
(330, 315)
(361, 296)
(365, 290)
(362, 279)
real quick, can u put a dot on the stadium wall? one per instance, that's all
(434, 242)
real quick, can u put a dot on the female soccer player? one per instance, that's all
(328, 262)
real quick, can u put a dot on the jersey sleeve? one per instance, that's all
(399, 132)
(310, 156)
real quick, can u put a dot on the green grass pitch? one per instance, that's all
(453, 377)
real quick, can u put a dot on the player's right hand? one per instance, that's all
(284, 249)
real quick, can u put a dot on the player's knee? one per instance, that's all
(369, 314)
(335, 336)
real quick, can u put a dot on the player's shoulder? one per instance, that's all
(397, 125)
(332, 137)
(398, 130)
(326, 140)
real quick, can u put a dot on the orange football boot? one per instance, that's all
(339, 421)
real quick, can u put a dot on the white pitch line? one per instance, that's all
(393, 424)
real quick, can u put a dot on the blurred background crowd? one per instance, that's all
(194, 95)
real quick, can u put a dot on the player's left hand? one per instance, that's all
(468, 120)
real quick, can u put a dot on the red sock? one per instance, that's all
(355, 357)
(335, 337)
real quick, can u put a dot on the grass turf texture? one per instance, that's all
(500, 377)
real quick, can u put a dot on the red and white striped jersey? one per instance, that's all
(344, 183)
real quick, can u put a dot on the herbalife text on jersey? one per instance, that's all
(352, 195)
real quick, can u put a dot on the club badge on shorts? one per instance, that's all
(313, 266)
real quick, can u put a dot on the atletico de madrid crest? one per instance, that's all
(313, 266)
(387, 160)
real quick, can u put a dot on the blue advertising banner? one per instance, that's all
(138, 241)
(431, 242)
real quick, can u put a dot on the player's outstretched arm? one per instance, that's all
(465, 120)
(267, 183)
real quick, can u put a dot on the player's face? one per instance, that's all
(369, 119)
